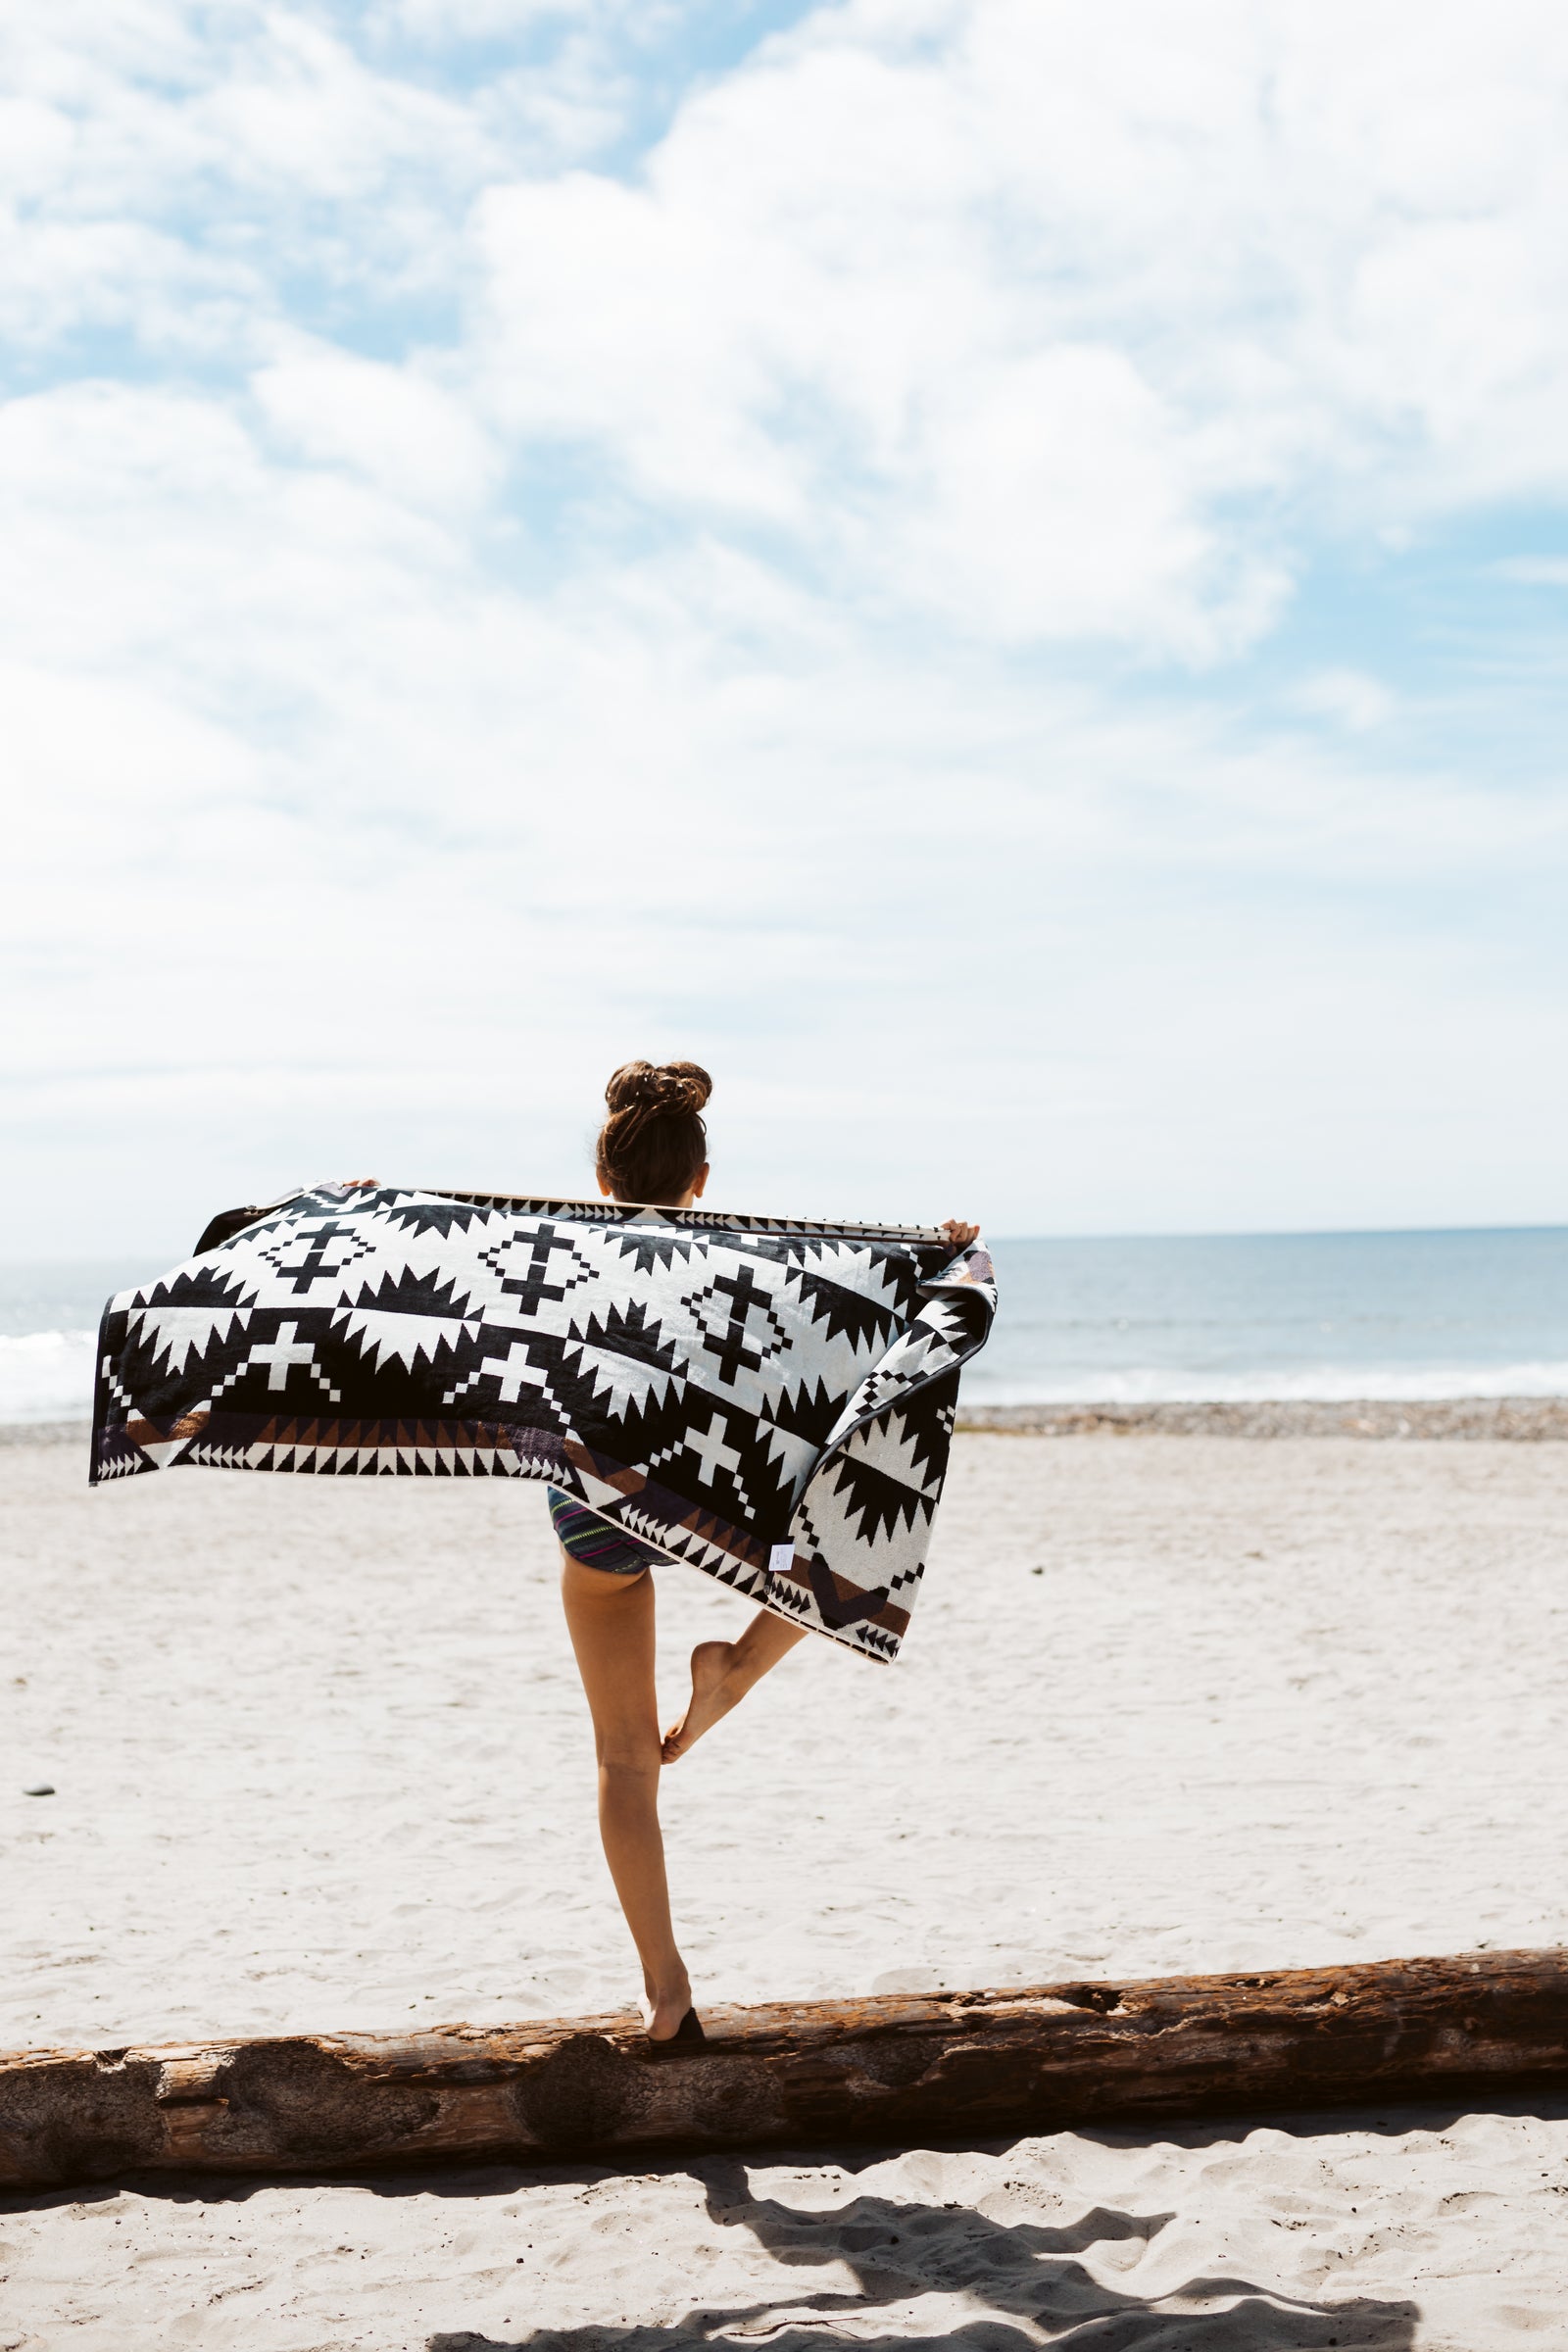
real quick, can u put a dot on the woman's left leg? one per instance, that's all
(611, 1619)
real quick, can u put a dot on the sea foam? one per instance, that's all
(46, 1375)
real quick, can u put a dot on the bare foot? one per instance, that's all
(667, 2007)
(710, 1698)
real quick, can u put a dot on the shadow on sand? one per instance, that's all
(1022, 2282)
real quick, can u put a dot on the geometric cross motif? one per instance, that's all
(714, 1455)
(284, 1351)
(730, 1333)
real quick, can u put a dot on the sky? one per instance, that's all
(994, 571)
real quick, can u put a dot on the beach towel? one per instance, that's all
(768, 1399)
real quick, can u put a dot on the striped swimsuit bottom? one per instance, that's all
(596, 1543)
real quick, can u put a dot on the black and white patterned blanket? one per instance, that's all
(771, 1401)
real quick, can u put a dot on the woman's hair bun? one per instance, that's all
(680, 1087)
(652, 1146)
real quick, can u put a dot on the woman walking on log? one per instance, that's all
(652, 1151)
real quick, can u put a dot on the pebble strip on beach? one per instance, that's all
(1529, 1419)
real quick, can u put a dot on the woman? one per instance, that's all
(652, 1150)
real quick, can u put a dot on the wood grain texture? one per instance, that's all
(889, 2071)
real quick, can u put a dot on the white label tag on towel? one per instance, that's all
(781, 1560)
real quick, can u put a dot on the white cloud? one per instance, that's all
(1532, 571)
(1046, 319)
(781, 602)
(1348, 697)
(1061, 503)
(392, 424)
(440, 20)
(183, 174)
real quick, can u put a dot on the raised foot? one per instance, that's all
(711, 1697)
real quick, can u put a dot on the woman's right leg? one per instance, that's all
(610, 1620)
(723, 1672)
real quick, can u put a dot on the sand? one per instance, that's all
(1169, 1703)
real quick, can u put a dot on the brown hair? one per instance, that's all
(654, 1141)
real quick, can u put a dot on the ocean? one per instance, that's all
(1399, 1315)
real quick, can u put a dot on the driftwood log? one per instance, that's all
(893, 2069)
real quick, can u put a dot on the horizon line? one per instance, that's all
(1313, 1233)
(1285, 1233)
